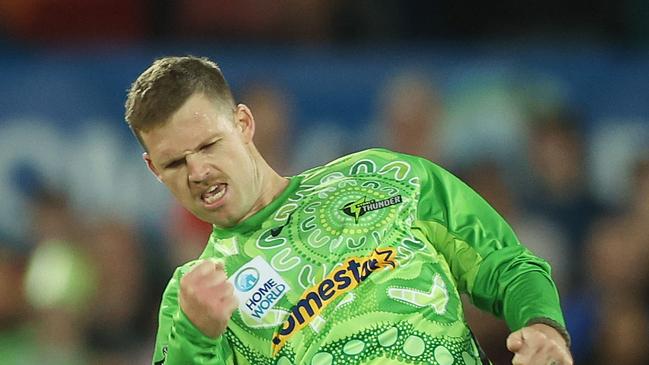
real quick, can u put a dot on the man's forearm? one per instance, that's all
(532, 298)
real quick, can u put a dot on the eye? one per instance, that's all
(175, 164)
(208, 146)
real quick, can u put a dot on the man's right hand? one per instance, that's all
(207, 298)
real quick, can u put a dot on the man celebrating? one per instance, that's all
(360, 261)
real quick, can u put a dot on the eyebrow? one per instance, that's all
(170, 160)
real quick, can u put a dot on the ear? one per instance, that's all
(245, 122)
(149, 164)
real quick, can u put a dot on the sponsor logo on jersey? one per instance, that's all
(246, 279)
(258, 287)
(341, 280)
(361, 206)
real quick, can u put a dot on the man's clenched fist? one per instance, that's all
(538, 344)
(206, 298)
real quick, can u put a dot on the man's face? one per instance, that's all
(203, 154)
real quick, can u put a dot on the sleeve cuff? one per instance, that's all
(186, 329)
(554, 324)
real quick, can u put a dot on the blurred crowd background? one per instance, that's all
(540, 106)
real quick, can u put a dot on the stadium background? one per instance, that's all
(540, 107)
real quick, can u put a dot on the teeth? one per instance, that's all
(211, 197)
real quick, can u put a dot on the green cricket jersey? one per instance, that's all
(362, 261)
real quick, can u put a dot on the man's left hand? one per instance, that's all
(538, 344)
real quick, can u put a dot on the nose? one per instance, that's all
(198, 169)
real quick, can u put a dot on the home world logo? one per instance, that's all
(258, 287)
(246, 279)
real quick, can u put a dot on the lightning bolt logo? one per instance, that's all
(361, 206)
(354, 208)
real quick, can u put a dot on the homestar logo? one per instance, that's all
(258, 287)
(352, 273)
(361, 206)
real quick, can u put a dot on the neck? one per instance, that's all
(270, 183)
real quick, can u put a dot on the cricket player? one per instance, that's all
(360, 261)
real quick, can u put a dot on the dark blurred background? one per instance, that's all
(541, 106)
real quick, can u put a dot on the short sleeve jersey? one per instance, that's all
(362, 261)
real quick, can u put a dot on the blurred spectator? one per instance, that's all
(409, 115)
(59, 283)
(632, 225)
(407, 119)
(622, 334)
(484, 118)
(59, 280)
(322, 142)
(614, 147)
(86, 285)
(59, 271)
(272, 108)
(610, 312)
(119, 316)
(638, 213)
(618, 315)
(618, 258)
(560, 189)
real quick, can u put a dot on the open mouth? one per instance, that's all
(214, 194)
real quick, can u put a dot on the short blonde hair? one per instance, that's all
(165, 86)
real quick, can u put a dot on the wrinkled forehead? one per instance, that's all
(196, 122)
